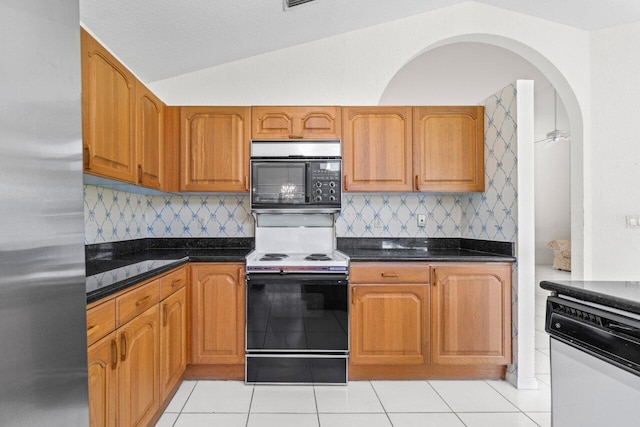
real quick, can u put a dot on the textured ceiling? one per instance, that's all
(158, 39)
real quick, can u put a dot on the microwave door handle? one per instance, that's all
(307, 185)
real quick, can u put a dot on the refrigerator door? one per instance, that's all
(43, 362)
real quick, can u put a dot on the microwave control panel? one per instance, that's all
(324, 182)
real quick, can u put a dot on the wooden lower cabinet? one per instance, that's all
(173, 341)
(413, 320)
(134, 368)
(389, 324)
(217, 313)
(471, 314)
(103, 381)
(139, 369)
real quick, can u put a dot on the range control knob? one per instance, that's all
(319, 191)
(318, 198)
(332, 191)
(332, 184)
(318, 184)
(332, 198)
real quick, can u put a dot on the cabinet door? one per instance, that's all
(103, 380)
(138, 373)
(215, 149)
(389, 324)
(173, 341)
(217, 310)
(296, 122)
(108, 113)
(471, 314)
(449, 148)
(377, 149)
(149, 138)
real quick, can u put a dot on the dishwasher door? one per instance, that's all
(595, 365)
(589, 392)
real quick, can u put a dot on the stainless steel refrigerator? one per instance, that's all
(43, 366)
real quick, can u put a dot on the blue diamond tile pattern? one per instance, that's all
(111, 215)
(395, 215)
(492, 215)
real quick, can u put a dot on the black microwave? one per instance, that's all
(296, 185)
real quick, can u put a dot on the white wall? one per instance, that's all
(615, 169)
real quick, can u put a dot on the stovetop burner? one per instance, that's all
(318, 257)
(273, 257)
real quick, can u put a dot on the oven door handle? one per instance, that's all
(319, 278)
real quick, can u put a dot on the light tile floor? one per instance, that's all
(365, 403)
(373, 403)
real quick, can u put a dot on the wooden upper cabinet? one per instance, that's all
(296, 122)
(214, 148)
(448, 149)
(108, 113)
(149, 138)
(377, 149)
(471, 314)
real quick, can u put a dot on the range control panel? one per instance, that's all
(325, 182)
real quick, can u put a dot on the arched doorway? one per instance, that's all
(463, 71)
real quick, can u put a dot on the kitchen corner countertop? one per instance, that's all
(615, 294)
(430, 249)
(111, 267)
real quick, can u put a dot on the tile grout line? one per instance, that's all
(445, 402)
(185, 402)
(315, 399)
(519, 409)
(380, 401)
(253, 390)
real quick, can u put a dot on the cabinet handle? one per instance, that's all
(142, 300)
(346, 187)
(123, 346)
(92, 327)
(139, 174)
(417, 182)
(164, 314)
(87, 157)
(246, 183)
(353, 295)
(114, 354)
(240, 276)
(296, 136)
(175, 283)
(390, 275)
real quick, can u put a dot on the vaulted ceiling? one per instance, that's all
(158, 39)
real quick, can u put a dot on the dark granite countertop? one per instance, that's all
(114, 266)
(111, 267)
(615, 294)
(430, 249)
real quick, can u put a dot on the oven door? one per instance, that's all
(297, 313)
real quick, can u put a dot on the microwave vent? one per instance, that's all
(292, 3)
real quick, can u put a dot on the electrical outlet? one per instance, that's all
(377, 222)
(422, 220)
(633, 221)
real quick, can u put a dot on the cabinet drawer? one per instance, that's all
(137, 301)
(172, 282)
(389, 272)
(101, 320)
